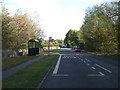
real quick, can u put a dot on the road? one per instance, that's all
(81, 70)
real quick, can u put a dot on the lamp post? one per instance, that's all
(50, 38)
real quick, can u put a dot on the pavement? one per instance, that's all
(81, 70)
(13, 70)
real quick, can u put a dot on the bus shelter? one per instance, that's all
(33, 47)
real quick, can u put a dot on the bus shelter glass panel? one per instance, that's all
(33, 47)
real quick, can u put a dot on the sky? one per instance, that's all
(56, 17)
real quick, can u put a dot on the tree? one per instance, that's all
(24, 31)
(18, 29)
(73, 38)
(98, 29)
(118, 25)
(7, 29)
(39, 33)
(59, 42)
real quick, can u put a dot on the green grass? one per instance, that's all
(45, 52)
(30, 76)
(56, 52)
(8, 63)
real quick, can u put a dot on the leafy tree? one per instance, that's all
(98, 29)
(119, 27)
(58, 42)
(7, 29)
(73, 38)
(24, 31)
(18, 29)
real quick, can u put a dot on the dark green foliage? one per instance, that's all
(99, 29)
(7, 29)
(73, 38)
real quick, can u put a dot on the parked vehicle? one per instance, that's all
(62, 46)
(77, 49)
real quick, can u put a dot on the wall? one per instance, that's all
(12, 53)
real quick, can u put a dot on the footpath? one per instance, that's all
(13, 70)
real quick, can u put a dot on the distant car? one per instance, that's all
(77, 50)
(62, 46)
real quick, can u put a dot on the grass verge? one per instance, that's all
(111, 56)
(30, 76)
(8, 63)
(56, 52)
(44, 53)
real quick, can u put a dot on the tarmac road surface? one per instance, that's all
(81, 70)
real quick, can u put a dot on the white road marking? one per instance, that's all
(57, 65)
(59, 75)
(101, 73)
(87, 60)
(88, 64)
(74, 57)
(44, 77)
(103, 68)
(64, 57)
(93, 67)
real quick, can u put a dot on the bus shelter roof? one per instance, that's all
(33, 41)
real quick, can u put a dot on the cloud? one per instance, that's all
(58, 16)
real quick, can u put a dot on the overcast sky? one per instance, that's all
(56, 16)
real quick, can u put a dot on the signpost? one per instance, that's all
(50, 38)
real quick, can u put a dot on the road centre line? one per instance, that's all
(93, 67)
(88, 64)
(103, 68)
(101, 73)
(87, 60)
(57, 65)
